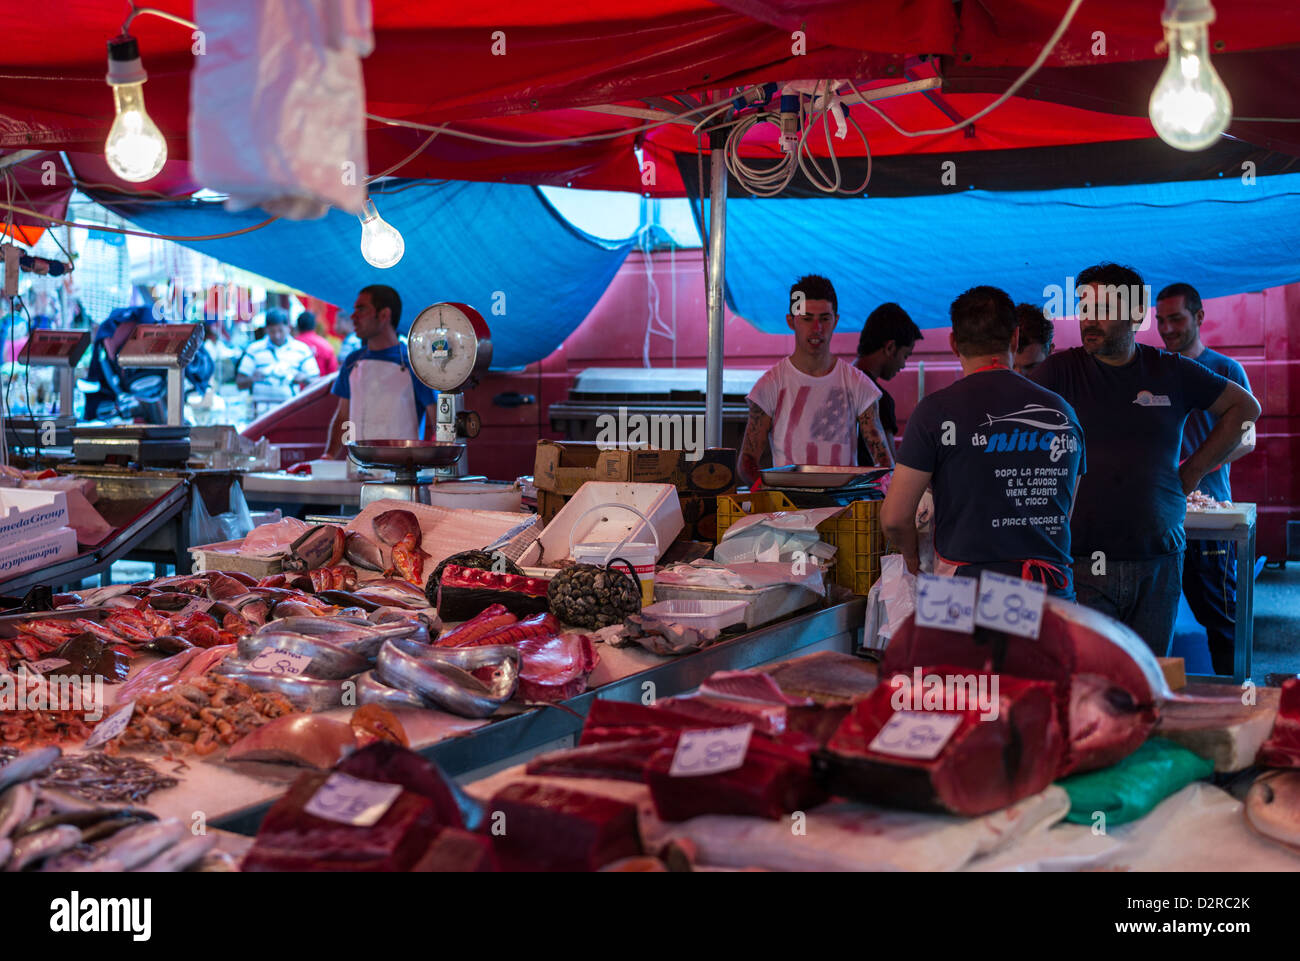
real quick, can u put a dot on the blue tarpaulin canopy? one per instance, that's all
(1225, 236)
(500, 248)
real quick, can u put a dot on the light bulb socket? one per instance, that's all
(1187, 13)
(124, 65)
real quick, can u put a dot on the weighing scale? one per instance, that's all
(62, 350)
(169, 347)
(450, 345)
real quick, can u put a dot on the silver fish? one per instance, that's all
(305, 692)
(28, 765)
(329, 662)
(181, 855)
(371, 690)
(442, 677)
(1272, 807)
(16, 806)
(138, 844)
(38, 847)
(97, 596)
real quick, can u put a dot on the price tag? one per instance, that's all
(49, 664)
(918, 734)
(947, 603)
(710, 752)
(275, 661)
(111, 726)
(1010, 604)
(350, 800)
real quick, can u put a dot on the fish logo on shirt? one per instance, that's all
(1034, 415)
(1147, 399)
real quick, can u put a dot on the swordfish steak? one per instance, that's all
(1107, 683)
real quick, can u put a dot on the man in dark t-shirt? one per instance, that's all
(884, 345)
(1127, 530)
(1003, 455)
(1209, 567)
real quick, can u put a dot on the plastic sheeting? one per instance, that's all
(500, 248)
(1226, 236)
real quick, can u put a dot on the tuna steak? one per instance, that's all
(1107, 683)
(553, 828)
(1282, 749)
(986, 763)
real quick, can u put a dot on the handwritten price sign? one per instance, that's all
(350, 800)
(1010, 604)
(50, 664)
(275, 661)
(946, 602)
(710, 752)
(917, 734)
(111, 726)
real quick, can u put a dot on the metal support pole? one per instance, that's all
(717, 273)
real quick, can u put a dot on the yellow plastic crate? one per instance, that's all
(855, 534)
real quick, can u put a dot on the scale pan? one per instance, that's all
(409, 454)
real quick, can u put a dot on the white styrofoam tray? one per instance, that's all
(39, 551)
(702, 614)
(1221, 517)
(26, 514)
(658, 502)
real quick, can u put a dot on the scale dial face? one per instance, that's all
(448, 345)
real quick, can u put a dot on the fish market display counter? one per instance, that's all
(235, 796)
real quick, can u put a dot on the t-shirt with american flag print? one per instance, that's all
(814, 419)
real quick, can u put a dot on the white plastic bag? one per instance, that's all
(277, 104)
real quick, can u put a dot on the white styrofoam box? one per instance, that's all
(25, 514)
(39, 551)
(658, 502)
(700, 614)
(329, 469)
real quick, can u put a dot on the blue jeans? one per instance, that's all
(1142, 594)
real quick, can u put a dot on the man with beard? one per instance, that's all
(1209, 567)
(1127, 531)
(812, 404)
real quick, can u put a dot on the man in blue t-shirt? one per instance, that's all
(1127, 530)
(1003, 455)
(1209, 567)
(378, 392)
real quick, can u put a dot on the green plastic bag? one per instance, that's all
(1131, 788)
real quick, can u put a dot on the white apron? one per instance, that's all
(382, 405)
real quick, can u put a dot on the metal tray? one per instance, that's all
(410, 454)
(813, 475)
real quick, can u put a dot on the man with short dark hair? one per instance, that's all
(1036, 332)
(320, 347)
(1003, 455)
(811, 405)
(276, 365)
(1209, 567)
(884, 345)
(1127, 531)
(370, 382)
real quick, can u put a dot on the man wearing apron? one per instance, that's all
(380, 398)
(1003, 455)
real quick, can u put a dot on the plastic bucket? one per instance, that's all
(641, 556)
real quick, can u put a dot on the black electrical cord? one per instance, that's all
(27, 383)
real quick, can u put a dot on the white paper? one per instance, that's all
(946, 602)
(350, 800)
(710, 752)
(111, 726)
(275, 661)
(915, 734)
(1010, 604)
(49, 664)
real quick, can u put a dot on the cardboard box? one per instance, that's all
(701, 517)
(40, 551)
(714, 473)
(27, 514)
(564, 466)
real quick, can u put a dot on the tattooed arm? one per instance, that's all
(751, 452)
(873, 435)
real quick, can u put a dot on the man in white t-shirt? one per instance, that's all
(812, 405)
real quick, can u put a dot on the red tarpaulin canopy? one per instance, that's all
(435, 64)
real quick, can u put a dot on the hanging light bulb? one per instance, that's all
(135, 149)
(381, 243)
(1190, 106)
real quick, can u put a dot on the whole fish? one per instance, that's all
(44, 844)
(443, 678)
(329, 662)
(371, 690)
(293, 608)
(408, 559)
(321, 546)
(308, 693)
(16, 806)
(137, 845)
(28, 765)
(1273, 807)
(391, 527)
(181, 855)
(110, 826)
(82, 820)
(363, 552)
(223, 587)
(97, 596)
